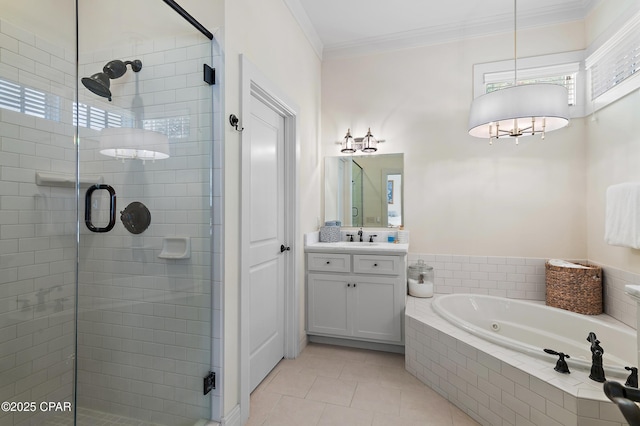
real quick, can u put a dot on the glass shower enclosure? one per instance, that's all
(357, 195)
(106, 225)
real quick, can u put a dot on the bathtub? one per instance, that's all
(530, 327)
(496, 379)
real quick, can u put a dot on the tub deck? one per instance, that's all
(495, 385)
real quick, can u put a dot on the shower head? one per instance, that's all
(99, 82)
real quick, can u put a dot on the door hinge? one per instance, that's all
(209, 74)
(209, 382)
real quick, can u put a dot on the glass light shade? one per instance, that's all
(122, 142)
(348, 144)
(519, 111)
(369, 143)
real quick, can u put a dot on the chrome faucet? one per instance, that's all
(360, 234)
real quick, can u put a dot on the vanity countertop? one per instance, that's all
(357, 247)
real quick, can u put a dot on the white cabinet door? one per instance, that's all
(377, 309)
(328, 304)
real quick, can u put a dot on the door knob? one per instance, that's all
(283, 248)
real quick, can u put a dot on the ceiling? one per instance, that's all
(351, 27)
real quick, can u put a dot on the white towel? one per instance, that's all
(565, 264)
(622, 219)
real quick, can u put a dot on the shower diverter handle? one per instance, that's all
(112, 208)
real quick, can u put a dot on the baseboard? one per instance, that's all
(233, 418)
(357, 344)
(203, 422)
(304, 341)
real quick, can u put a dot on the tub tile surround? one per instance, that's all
(521, 278)
(495, 385)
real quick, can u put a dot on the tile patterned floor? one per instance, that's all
(332, 385)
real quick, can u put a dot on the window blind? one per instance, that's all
(18, 98)
(616, 61)
(564, 75)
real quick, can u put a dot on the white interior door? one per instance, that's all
(266, 236)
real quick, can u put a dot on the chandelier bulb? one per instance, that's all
(517, 141)
(542, 135)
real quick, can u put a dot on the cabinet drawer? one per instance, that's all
(372, 264)
(329, 262)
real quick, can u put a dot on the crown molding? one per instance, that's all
(447, 33)
(307, 27)
(497, 24)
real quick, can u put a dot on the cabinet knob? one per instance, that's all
(354, 285)
(348, 285)
(328, 262)
(375, 264)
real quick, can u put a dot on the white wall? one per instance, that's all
(463, 196)
(267, 34)
(613, 150)
(613, 157)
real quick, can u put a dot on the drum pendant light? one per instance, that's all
(519, 110)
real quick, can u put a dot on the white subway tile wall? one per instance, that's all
(521, 278)
(513, 277)
(616, 302)
(37, 231)
(144, 324)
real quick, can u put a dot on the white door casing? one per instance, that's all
(257, 88)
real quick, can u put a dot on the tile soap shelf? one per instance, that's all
(176, 248)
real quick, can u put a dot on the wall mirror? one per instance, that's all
(364, 191)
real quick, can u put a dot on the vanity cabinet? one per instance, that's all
(356, 296)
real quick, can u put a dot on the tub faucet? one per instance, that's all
(561, 365)
(632, 380)
(597, 372)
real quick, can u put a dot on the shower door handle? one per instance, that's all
(112, 208)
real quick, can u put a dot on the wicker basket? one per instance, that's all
(574, 289)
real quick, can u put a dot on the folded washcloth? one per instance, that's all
(622, 216)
